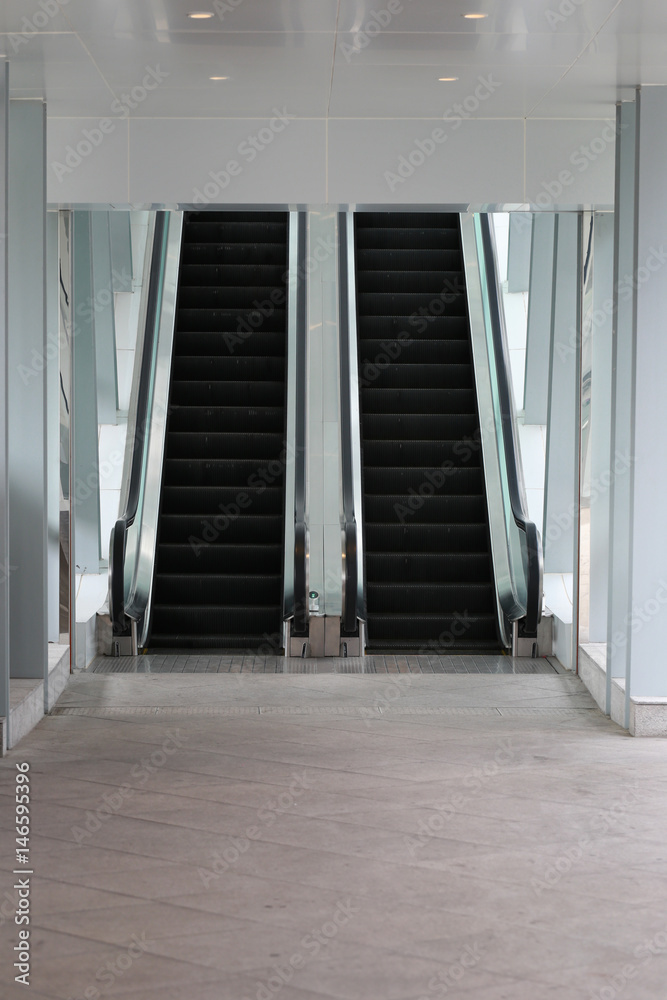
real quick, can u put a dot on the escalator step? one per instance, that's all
(264, 644)
(230, 368)
(424, 376)
(426, 327)
(408, 260)
(383, 281)
(396, 238)
(248, 254)
(240, 342)
(250, 276)
(188, 392)
(239, 473)
(435, 598)
(235, 231)
(216, 446)
(203, 559)
(230, 590)
(215, 619)
(451, 480)
(427, 567)
(426, 401)
(410, 536)
(428, 454)
(406, 220)
(214, 500)
(235, 419)
(202, 320)
(450, 631)
(407, 303)
(233, 297)
(446, 510)
(221, 529)
(421, 426)
(412, 351)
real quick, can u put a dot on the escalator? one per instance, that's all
(220, 536)
(428, 563)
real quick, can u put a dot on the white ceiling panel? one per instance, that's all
(504, 16)
(446, 50)
(57, 68)
(128, 17)
(27, 19)
(262, 69)
(414, 91)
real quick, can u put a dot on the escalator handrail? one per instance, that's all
(350, 570)
(299, 612)
(125, 520)
(534, 562)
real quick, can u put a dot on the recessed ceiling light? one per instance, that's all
(475, 17)
(447, 79)
(218, 78)
(200, 15)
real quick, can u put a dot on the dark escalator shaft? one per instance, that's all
(429, 574)
(219, 562)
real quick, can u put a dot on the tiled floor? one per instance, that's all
(356, 837)
(195, 663)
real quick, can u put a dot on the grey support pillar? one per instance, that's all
(52, 373)
(538, 339)
(323, 461)
(27, 388)
(561, 487)
(105, 328)
(646, 539)
(121, 251)
(84, 447)
(622, 404)
(518, 252)
(4, 484)
(600, 433)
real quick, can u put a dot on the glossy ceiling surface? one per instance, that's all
(336, 59)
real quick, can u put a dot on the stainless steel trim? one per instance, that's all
(355, 413)
(142, 534)
(509, 606)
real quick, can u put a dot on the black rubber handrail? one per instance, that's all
(299, 612)
(534, 567)
(120, 622)
(349, 623)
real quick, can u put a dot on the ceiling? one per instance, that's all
(330, 59)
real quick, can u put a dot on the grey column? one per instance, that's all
(120, 233)
(4, 484)
(647, 673)
(105, 327)
(561, 487)
(84, 447)
(518, 252)
(600, 434)
(52, 373)
(622, 393)
(27, 388)
(538, 339)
